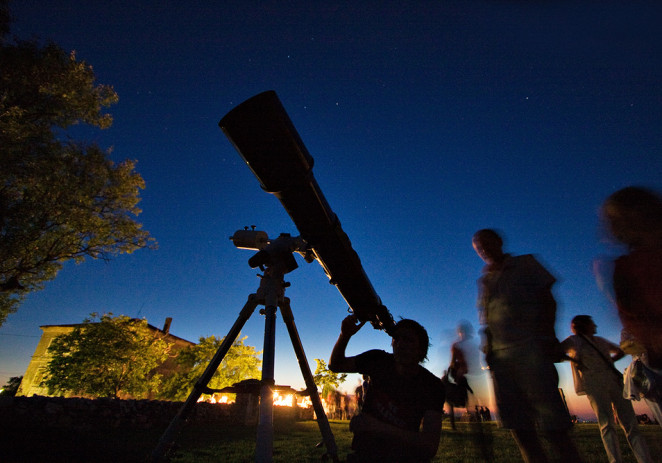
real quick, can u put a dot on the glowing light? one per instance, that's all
(215, 400)
(304, 402)
(283, 401)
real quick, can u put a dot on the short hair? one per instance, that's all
(581, 323)
(420, 333)
(488, 233)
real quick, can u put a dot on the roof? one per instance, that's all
(151, 327)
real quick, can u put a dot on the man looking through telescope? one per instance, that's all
(402, 394)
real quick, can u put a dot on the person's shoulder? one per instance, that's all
(605, 342)
(432, 386)
(518, 263)
(429, 377)
(372, 361)
(528, 264)
(524, 259)
(622, 263)
(374, 355)
(570, 339)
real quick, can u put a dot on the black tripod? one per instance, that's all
(270, 294)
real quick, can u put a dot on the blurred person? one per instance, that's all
(465, 381)
(360, 391)
(633, 216)
(632, 386)
(596, 377)
(466, 359)
(518, 310)
(402, 396)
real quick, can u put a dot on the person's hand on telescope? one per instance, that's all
(350, 326)
(339, 362)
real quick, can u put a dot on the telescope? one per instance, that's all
(263, 134)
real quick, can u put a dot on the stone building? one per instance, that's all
(35, 372)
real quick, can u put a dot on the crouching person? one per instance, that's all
(403, 407)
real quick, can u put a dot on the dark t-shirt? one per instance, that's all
(397, 400)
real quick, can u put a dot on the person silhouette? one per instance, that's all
(466, 362)
(518, 310)
(400, 420)
(633, 216)
(596, 377)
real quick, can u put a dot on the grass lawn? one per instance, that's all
(293, 442)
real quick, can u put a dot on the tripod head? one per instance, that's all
(272, 252)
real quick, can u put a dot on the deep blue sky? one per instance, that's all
(427, 121)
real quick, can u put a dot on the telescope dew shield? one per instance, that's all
(266, 139)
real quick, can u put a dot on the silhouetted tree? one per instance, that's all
(60, 199)
(11, 388)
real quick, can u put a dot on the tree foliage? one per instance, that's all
(106, 357)
(240, 363)
(11, 388)
(325, 379)
(60, 199)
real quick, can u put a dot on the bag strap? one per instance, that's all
(608, 361)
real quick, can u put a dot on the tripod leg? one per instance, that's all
(168, 437)
(265, 430)
(322, 421)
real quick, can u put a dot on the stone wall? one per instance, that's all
(82, 413)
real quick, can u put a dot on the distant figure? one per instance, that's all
(360, 392)
(464, 378)
(518, 311)
(595, 376)
(466, 361)
(633, 216)
(487, 415)
(401, 396)
(456, 389)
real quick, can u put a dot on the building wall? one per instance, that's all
(35, 372)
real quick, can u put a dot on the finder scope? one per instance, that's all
(266, 139)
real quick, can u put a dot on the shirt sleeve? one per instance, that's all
(539, 273)
(568, 345)
(607, 346)
(367, 361)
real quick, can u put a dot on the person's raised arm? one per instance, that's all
(339, 362)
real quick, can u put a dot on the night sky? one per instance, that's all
(427, 121)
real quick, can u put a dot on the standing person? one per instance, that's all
(402, 394)
(518, 310)
(465, 372)
(596, 377)
(455, 380)
(466, 358)
(633, 216)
